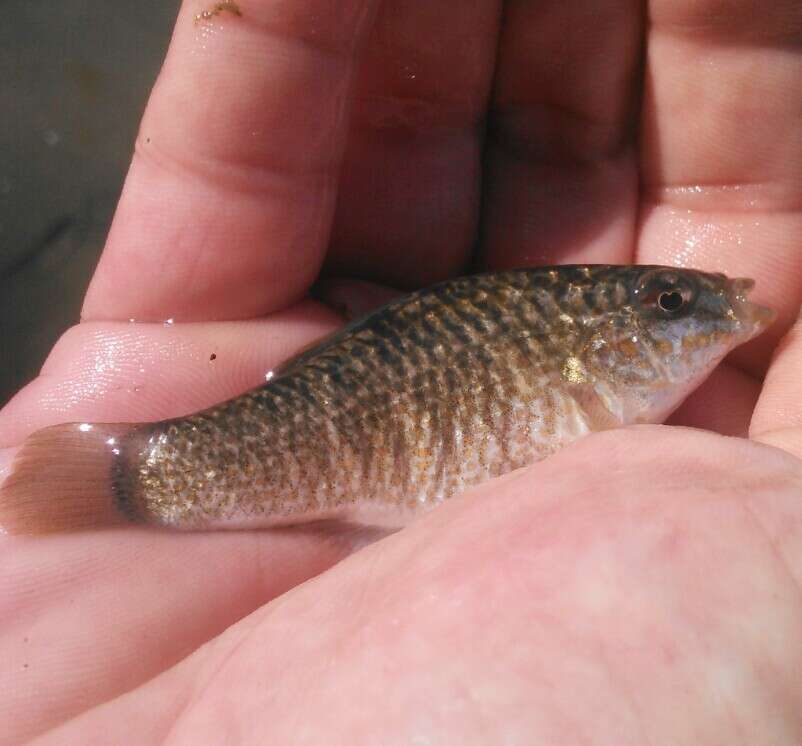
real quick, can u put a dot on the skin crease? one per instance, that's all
(588, 599)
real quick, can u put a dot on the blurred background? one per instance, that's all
(74, 79)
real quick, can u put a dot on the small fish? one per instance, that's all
(430, 394)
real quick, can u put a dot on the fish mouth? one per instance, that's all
(754, 317)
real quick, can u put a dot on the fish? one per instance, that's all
(434, 392)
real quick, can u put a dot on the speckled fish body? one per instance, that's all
(438, 391)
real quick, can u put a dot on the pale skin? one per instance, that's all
(641, 587)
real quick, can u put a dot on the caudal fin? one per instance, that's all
(62, 480)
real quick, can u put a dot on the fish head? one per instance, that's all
(670, 331)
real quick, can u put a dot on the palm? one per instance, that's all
(250, 173)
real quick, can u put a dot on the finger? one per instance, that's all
(120, 372)
(561, 181)
(227, 207)
(778, 414)
(409, 192)
(722, 149)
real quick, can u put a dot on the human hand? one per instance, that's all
(592, 596)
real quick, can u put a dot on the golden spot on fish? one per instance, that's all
(573, 371)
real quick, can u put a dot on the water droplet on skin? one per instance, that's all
(169, 322)
(409, 72)
(84, 427)
(269, 375)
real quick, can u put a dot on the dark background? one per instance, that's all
(74, 79)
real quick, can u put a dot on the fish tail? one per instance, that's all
(62, 480)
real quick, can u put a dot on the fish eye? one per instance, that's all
(670, 301)
(667, 294)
